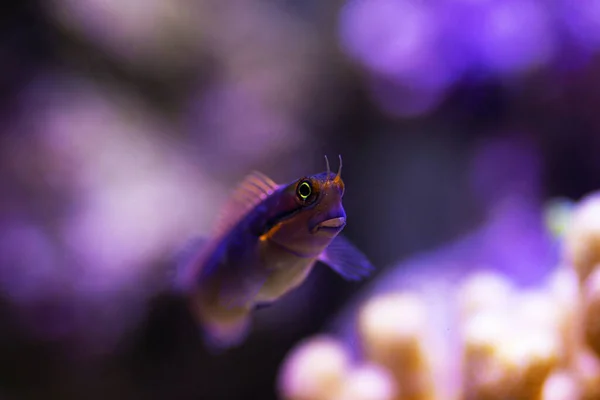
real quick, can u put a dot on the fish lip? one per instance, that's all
(332, 224)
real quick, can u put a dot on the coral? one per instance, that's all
(506, 342)
(315, 370)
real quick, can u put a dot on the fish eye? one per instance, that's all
(304, 190)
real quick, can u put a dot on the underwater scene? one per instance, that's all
(300, 200)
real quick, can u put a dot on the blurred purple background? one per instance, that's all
(124, 124)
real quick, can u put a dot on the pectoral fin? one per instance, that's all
(346, 260)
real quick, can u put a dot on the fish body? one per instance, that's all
(264, 245)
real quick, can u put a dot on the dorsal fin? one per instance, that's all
(253, 189)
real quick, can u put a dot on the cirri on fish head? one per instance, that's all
(265, 243)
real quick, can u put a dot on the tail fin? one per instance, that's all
(220, 328)
(184, 262)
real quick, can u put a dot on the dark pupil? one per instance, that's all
(304, 190)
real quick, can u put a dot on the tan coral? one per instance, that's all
(314, 370)
(541, 343)
(591, 312)
(392, 328)
(483, 290)
(561, 385)
(506, 358)
(564, 288)
(369, 382)
(587, 369)
(582, 242)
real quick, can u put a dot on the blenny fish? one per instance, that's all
(267, 239)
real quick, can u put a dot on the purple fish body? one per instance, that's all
(267, 241)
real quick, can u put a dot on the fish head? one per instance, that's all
(316, 214)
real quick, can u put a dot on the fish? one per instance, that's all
(265, 242)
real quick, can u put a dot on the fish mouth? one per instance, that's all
(334, 224)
